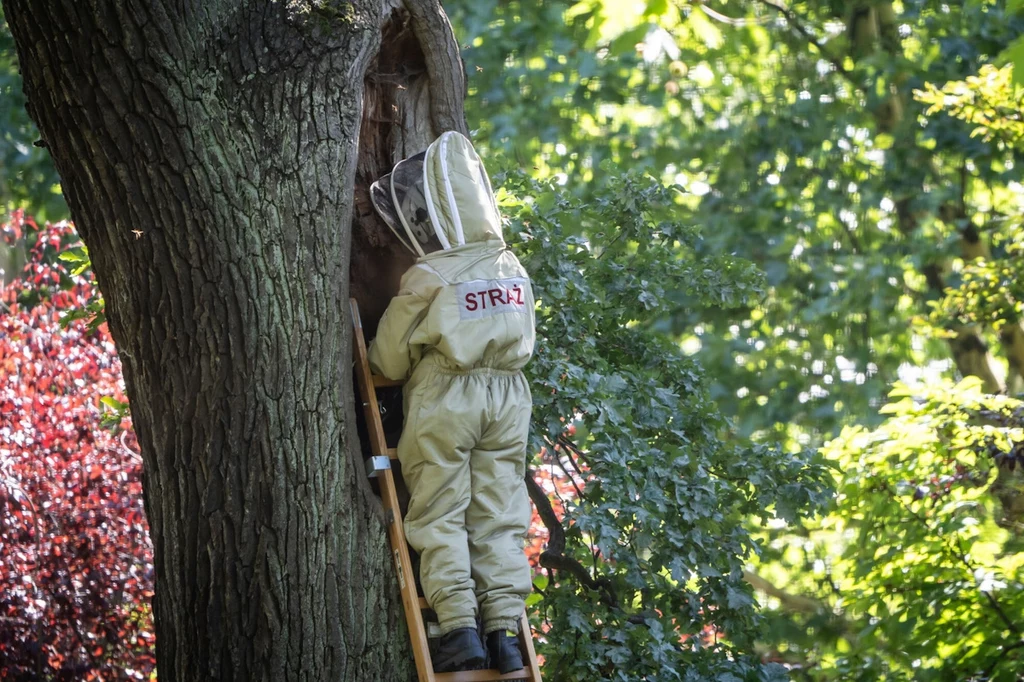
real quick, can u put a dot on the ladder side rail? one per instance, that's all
(392, 510)
(364, 377)
(526, 645)
(407, 582)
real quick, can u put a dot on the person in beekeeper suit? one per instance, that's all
(461, 329)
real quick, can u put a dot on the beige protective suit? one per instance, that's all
(462, 328)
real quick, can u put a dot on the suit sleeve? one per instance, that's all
(390, 353)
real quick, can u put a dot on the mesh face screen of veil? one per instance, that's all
(400, 200)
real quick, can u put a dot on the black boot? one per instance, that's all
(504, 652)
(459, 650)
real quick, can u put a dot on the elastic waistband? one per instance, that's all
(439, 364)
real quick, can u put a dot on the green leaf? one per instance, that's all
(114, 404)
(78, 254)
(738, 598)
(659, 7)
(1014, 54)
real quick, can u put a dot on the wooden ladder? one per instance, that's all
(379, 467)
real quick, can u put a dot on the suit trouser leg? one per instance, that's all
(434, 451)
(498, 514)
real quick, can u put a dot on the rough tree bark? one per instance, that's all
(208, 152)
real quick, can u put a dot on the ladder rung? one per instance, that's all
(393, 454)
(380, 381)
(482, 676)
(423, 603)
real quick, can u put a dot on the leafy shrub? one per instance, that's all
(934, 524)
(75, 558)
(644, 565)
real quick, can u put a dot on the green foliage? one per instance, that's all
(27, 177)
(1014, 54)
(561, 87)
(92, 308)
(990, 292)
(931, 581)
(923, 547)
(990, 101)
(656, 532)
(836, 190)
(987, 291)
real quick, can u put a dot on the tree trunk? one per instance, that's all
(1011, 337)
(208, 153)
(873, 26)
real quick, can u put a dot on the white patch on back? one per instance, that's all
(486, 297)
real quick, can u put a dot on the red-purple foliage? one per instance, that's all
(75, 557)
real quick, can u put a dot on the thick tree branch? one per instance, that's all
(444, 65)
(1012, 338)
(738, 22)
(972, 357)
(553, 556)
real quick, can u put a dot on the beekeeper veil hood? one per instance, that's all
(440, 198)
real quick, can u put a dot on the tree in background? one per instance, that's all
(27, 177)
(921, 557)
(795, 130)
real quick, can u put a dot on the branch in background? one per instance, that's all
(993, 602)
(561, 465)
(960, 554)
(793, 20)
(573, 449)
(731, 21)
(970, 352)
(972, 357)
(1012, 338)
(963, 187)
(855, 244)
(790, 602)
(995, 663)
